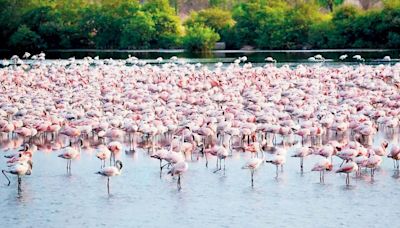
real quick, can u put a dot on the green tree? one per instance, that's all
(320, 34)
(10, 18)
(168, 29)
(25, 39)
(214, 18)
(344, 34)
(138, 33)
(200, 38)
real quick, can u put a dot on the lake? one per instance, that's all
(139, 197)
(372, 56)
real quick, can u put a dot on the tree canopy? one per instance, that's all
(134, 24)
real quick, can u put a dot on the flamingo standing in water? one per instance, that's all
(69, 154)
(178, 169)
(322, 166)
(253, 165)
(277, 160)
(103, 154)
(160, 155)
(395, 155)
(115, 147)
(373, 162)
(222, 154)
(110, 171)
(348, 168)
(19, 169)
(301, 153)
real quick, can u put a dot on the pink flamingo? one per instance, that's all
(19, 169)
(348, 168)
(301, 153)
(111, 171)
(69, 154)
(253, 165)
(178, 169)
(322, 166)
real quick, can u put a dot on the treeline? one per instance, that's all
(134, 24)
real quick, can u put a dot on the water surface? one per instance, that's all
(140, 198)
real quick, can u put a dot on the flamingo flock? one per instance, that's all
(181, 113)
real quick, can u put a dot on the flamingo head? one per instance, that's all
(329, 167)
(25, 148)
(118, 164)
(384, 144)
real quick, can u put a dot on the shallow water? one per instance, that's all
(372, 56)
(140, 198)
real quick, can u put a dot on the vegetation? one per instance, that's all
(200, 38)
(134, 24)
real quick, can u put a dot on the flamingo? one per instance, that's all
(160, 155)
(343, 57)
(69, 154)
(178, 169)
(253, 165)
(103, 154)
(373, 162)
(322, 166)
(110, 171)
(19, 169)
(302, 152)
(358, 58)
(348, 168)
(115, 147)
(222, 154)
(277, 160)
(270, 59)
(395, 155)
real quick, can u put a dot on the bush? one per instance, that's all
(138, 33)
(214, 18)
(200, 38)
(168, 29)
(25, 39)
(247, 22)
(320, 34)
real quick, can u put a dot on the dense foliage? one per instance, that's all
(134, 24)
(200, 38)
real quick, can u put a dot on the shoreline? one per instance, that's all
(214, 51)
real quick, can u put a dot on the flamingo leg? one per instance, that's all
(4, 173)
(341, 163)
(179, 182)
(19, 184)
(165, 165)
(108, 185)
(320, 176)
(301, 164)
(252, 178)
(220, 165)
